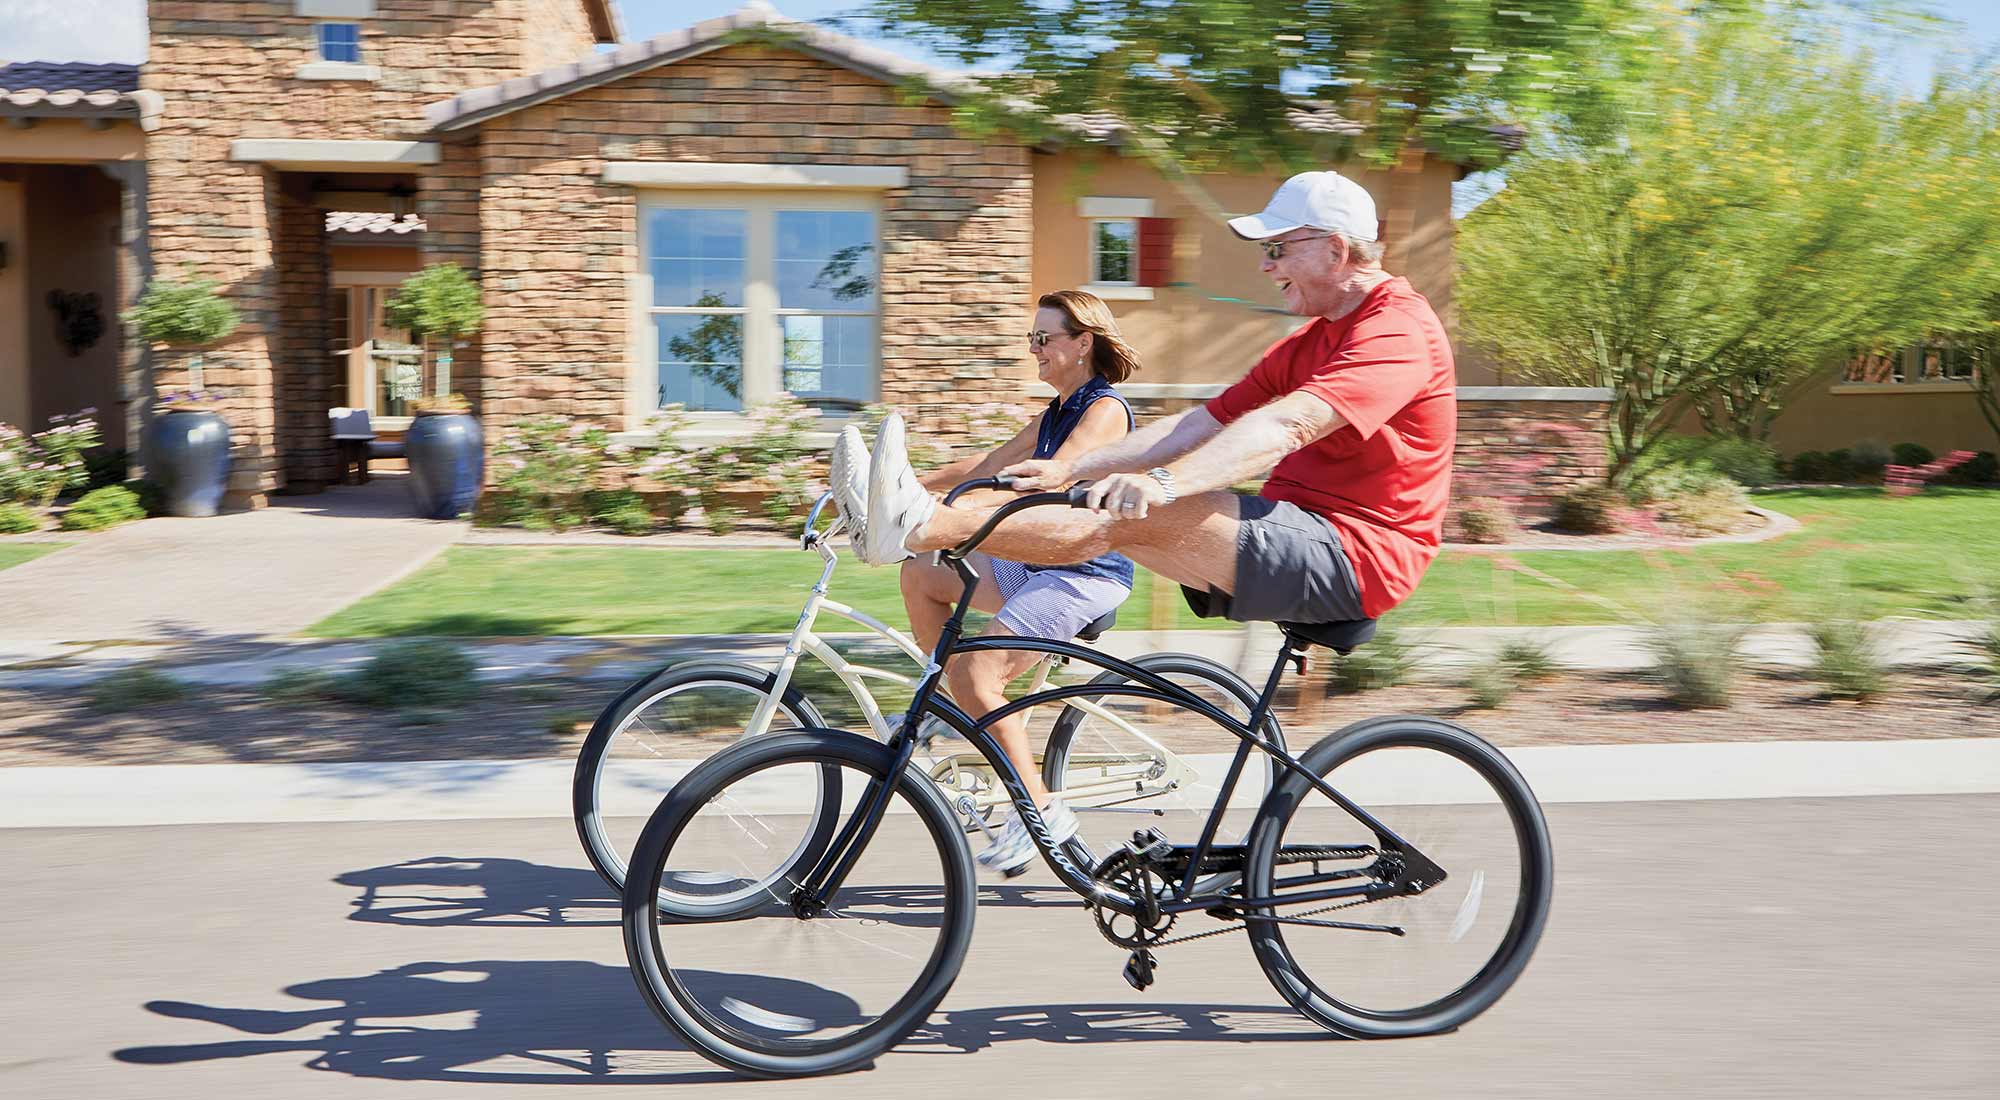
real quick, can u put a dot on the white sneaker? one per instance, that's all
(898, 504)
(848, 478)
(1014, 849)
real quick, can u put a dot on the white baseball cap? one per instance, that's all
(1322, 200)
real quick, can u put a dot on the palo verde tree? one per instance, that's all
(1761, 206)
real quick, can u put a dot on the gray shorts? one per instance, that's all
(1290, 568)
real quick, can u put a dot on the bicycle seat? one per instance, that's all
(1339, 637)
(1097, 626)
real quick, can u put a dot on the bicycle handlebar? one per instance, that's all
(810, 535)
(1074, 497)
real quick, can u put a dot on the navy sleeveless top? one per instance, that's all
(1061, 419)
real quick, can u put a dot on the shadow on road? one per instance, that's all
(574, 1022)
(455, 890)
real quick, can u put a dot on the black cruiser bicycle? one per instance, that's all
(1393, 882)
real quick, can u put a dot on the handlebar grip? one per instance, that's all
(1079, 494)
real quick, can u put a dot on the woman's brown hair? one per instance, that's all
(1111, 357)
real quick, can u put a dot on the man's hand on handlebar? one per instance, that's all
(1127, 496)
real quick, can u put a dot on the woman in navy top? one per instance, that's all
(1079, 352)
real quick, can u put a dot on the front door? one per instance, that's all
(385, 369)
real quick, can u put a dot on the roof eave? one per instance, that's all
(603, 20)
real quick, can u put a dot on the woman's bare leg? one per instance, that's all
(979, 683)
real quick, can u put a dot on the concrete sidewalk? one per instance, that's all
(240, 575)
(246, 662)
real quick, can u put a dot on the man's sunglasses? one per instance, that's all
(1275, 250)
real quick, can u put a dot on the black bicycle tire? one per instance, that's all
(641, 917)
(1524, 929)
(584, 810)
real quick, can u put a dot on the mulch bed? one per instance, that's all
(547, 719)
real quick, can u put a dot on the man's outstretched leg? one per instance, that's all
(1191, 541)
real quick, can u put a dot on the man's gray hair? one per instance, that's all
(1366, 253)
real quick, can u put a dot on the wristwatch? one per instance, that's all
(1166, 479)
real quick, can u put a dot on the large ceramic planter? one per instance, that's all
(447, 456)
(187, 456)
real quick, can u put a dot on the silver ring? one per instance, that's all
(1126, 506)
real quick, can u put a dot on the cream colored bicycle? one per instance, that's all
(1099, 756)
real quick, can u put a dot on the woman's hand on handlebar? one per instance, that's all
(1038, 474)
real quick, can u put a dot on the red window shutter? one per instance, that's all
(1156, 251)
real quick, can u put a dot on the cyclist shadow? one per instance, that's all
(452, 890)
(552, 1022)
(965, 1031)
(448, 891)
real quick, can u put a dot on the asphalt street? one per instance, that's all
(1837, 947)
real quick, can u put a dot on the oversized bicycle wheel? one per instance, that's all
(1134, 763)
(1407, 965)
(645, 739)
(786, 989)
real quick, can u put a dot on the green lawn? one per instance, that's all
(14, 553)
(1861, 553)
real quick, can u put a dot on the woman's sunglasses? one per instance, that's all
(1039, 339)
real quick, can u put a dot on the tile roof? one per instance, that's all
(76, 89)
(369, 222)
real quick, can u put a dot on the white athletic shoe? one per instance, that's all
(898, 504)
(848, 478)
(1014, 849)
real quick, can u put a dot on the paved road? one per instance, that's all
(1811, 948)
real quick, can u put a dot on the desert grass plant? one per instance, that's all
(1697, 660)
(1529, 659)
(1485, 521)
(18, 519)
(1389, 659)
(133, 689)
(102, 508)
(413, 675)
(301, 687)
(1591, 510)
(1491, 683)
(1847, 659)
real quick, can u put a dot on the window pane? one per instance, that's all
(1113, 245)
(701, 360)
(826, 259)
(340, 42)
(830, 361)
(696, 256)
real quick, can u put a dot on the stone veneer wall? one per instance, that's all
(228, 71)
(307, 375)
(558, 247)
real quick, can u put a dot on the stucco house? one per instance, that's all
(740, 208)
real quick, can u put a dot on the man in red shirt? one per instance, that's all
(1355, 410)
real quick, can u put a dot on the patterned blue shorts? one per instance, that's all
(1052, 604)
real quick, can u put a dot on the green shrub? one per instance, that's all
(18, 519)
(1811, 466)
(546, 465)
(132, 688)
(106, 466)
(150, 496)
(1911, 454)
(1679, 479)
(102, 508)
(1696, 661)
(1591, 510)
(1982, 469)
(622, 510)
(1385, 661)
(1847, 659)
(1840, 465)
(183, 315)
(1491, 684)
(1529, 658)
(413, 674)
(1869, 458)
(1485, 520)
(1744, 461)
(288, 687)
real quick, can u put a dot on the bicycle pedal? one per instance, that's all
(1150, 844)
(1139, 967)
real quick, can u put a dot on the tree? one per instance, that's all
(1761, 206)
(439, 304)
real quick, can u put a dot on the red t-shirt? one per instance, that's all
(1383, 478)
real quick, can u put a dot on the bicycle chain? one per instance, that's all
(1244, 926)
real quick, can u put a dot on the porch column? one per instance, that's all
(135, 270)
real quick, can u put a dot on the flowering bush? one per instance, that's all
(546, 465)
(34, 469)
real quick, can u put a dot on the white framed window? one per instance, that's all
(1114, 251)
(750, 296)
(340, 42)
